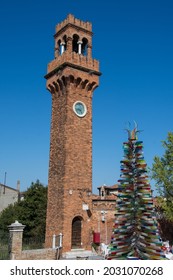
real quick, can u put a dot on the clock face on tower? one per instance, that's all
(79, 108)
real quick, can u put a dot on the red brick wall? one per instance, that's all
(40, 254)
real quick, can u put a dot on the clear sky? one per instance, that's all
(133, 40)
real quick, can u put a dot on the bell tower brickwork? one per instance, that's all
(71, 79)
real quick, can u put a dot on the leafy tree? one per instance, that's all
(8, 216)
(162, 173)
(31, 212)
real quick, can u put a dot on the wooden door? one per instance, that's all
(76, 232)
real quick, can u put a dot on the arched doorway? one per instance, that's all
(76, 232)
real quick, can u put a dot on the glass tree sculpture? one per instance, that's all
(135, 232)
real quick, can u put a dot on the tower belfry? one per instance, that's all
(71, 79)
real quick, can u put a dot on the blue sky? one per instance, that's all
(133, 40)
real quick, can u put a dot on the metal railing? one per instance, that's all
(31, 243)
(4, 246)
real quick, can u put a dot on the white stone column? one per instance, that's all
(54, 241)
(60, 240)
(79, 47)
(62, 48)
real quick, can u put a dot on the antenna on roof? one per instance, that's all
(5, 177)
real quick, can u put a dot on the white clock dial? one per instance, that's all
(79, 108)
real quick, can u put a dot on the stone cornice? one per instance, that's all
(74, 66)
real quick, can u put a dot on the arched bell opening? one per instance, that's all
(59, 47)
(62, 45)
(75, 43)
(65, 42)
(84, 46)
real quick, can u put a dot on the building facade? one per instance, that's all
(7, 196)
(72, 78)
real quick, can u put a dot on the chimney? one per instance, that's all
(18, 185)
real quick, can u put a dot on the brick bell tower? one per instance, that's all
(71, 79)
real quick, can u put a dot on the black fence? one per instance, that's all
(31, 243)
(4, 249)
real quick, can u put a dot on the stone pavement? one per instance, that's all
(80, 254)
